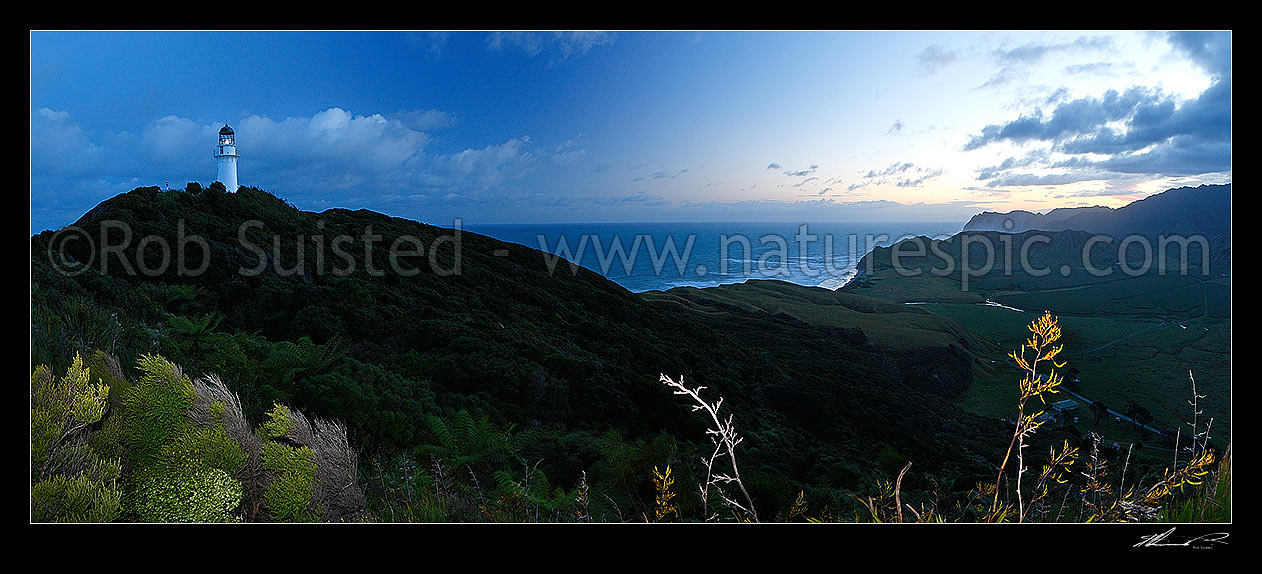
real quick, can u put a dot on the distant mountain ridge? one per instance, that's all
(1186, 210)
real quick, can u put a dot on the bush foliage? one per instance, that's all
(504, 393)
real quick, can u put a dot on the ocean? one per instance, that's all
(660, 256)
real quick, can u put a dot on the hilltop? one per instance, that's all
(1186, 210)
(557, 353)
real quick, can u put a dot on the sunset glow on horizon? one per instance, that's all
(635, 126)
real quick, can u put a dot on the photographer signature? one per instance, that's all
(1201, 541)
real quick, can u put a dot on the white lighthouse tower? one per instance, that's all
(226, 155)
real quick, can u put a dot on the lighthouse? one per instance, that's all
(226, 155)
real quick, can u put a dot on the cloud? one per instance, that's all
(1015, 62)
(432, 43)
(644, 198)
(424, 120)
(935, 57)
(73, 170)
(1146, 116)
(559, 45)
(60, 147)
(1182, 156)
(1035, 52)
(334, 141)
(799, 172)
(814, 208)
(921, 177)
(170, 137)
(331, 156)
(1068, 119)
(568, 152)
(1093, 68)
(773, 206)
(1126, 192)
(1139, 131)
(663, 174)
(1022, 179)
(1209, 50)
(1006, 75)
(571, 43)
(482, 169)
(897, 128)
(1158, 120)
(1059, 95)
(901, 174)
(530, 43)
(1033, 157)
(773, 165)
(893, 169)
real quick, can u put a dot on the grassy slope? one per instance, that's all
(885, 323)
(1132, 338)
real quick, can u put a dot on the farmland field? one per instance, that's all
(1131, 339)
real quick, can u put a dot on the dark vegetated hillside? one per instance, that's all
(929, 351)
(1204, 209)
(566, 351)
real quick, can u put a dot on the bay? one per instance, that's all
(664, 255)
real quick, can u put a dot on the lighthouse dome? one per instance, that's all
(226, 131)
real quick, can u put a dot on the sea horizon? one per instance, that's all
(651, 256)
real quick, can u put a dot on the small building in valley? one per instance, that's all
(1065, 412)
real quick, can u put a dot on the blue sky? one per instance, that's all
(501, 127)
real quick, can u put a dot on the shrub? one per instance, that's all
(70, 480)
